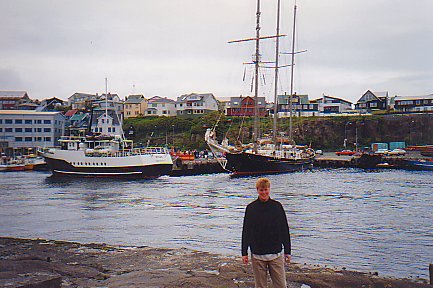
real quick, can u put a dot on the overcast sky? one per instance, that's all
(174, 47)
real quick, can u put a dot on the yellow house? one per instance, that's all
(134, 106)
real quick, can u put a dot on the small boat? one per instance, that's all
(423, 164)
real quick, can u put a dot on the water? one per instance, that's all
(369, 221)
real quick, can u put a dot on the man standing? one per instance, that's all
(266, 232)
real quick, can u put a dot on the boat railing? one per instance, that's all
(127, 152)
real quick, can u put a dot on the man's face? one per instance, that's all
(263, 193)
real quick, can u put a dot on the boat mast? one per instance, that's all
(277, 47)
(256, 88)
(106, 103)
(291, 76)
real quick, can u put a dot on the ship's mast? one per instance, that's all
(292, 70)
(256, 87)
(277, 52)
(106, 102)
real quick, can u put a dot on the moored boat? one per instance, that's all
(422, 164)
(107, 156)
(260, 157)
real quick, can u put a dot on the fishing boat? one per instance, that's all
(111, 156)
(107, 156)
(260, 156)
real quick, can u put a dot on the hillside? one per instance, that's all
(326, 133)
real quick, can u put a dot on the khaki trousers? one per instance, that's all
(275, 268)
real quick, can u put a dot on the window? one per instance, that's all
(38, 138)
(47, 139)
(28, 121)
(8, 129)
(38, 121)
(1, 121)
(8, 121)
(28, 129)
(18, 139)
(18, 129)
(113, 129)
(28, 139)
(47, 121)
(47, 129)
(109, 129)
(38, 129)
(18, 121)
(1, 129)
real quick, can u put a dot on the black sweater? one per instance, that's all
(265, 228)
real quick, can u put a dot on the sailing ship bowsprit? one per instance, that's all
(264, 156)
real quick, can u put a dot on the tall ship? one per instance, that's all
(264, 156)
(105, 154)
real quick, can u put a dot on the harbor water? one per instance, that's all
(379, 221)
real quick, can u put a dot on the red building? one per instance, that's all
(244, 106)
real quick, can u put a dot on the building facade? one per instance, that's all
(422, 103)
(134, 106)
(371, 101)
(11, 100)
(29, 129)
(160, 106)
(333, 105)
(244, 106)
(196, 104)
(103, 123)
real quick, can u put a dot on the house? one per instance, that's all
(10, 100)
(372, 101)
(51, 104)
(112, 101)
(30, 129)
(134, 106)
(81, 100)
(196, 104)
(333, 105)
(223, 104)
(77, 123)
(160, 106)
(244, 106)
(109, 123)
(301, 106)
(422, 103)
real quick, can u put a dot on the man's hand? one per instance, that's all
(287, 257)
(245, 259)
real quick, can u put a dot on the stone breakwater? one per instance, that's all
(44, 263)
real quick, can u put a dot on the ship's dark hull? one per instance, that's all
(62, 168)
(253, 164)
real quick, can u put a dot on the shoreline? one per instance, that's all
(52, 263)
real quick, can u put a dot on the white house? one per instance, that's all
(159, 106)
(333, 105)
(106, 124)
(196, 104)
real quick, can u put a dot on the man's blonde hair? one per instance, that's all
(263, 183)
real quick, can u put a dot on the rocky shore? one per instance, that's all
(43, 263)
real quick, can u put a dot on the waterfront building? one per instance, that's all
(423, 103)
(77, 124)
(196, 104)
(244, 106)
(160, 106)
(134, 106)
(29, 129)
(10, 100)
(371, 101)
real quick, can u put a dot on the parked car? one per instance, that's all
(345, 152)
(319, 152)
(397, 152)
